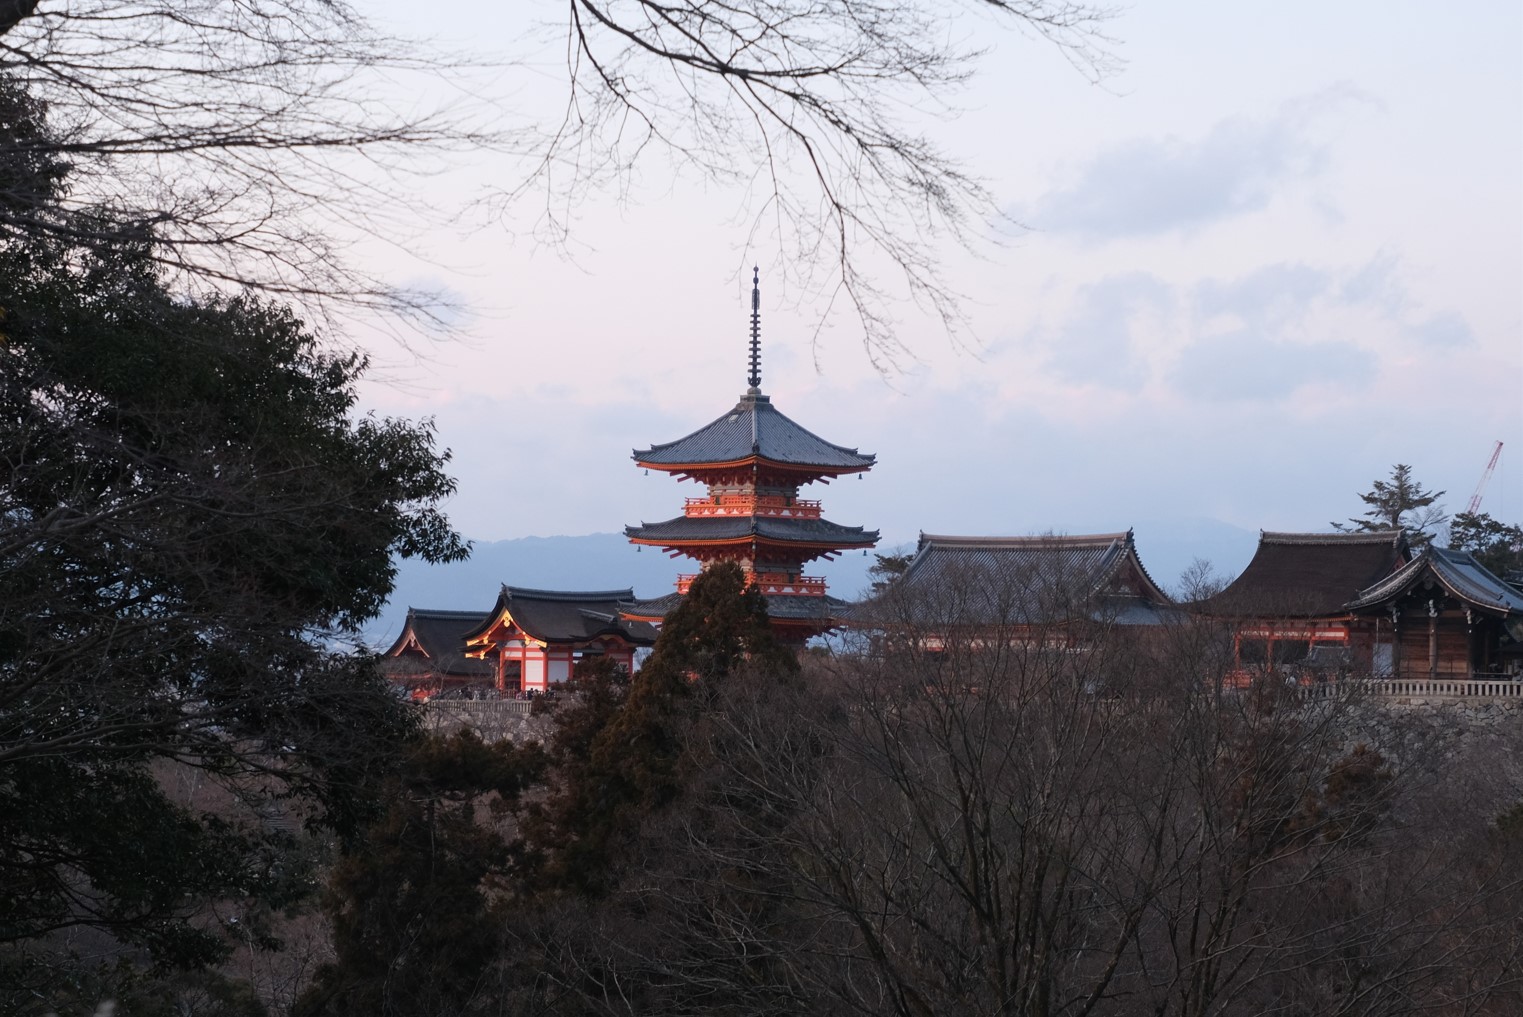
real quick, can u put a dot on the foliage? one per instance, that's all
(719, 629)
(191, 522)
(887, 568)
(1498, 546)
(1400, 503)
(445, 906)
(417, 908)
(620, 756)
(34, 990)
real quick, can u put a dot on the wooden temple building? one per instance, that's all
(1364, 604)
(429, 656)
(529, 641)
(1056, 588)
(1448, 617)
(753, 460)
(1290, 604)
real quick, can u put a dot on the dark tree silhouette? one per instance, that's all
(191, 524)
(1498, 546)
(417, 907)
(621, 755)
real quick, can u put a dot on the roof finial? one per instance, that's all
(755, 377)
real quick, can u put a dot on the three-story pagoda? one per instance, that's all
(753, 460)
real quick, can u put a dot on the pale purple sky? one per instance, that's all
(1280, 252)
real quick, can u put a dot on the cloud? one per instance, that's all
(1378, 284)
(1268, 297)
(1098, 343)
(1150, 186)
(1445, 330)
(1245, 365)
(1261, 336)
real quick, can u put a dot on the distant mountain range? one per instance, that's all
(607, 561)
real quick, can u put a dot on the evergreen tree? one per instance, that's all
(1400, 503)
(621, 755)
(417, 905)
(1498, 546)
(887, 569)
(192, 520)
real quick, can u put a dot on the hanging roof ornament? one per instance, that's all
(755, 376)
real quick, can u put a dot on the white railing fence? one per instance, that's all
(1417, 688)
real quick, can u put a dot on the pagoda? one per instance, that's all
(753, 460)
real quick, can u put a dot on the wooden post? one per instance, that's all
(1395, 642)
(1432, 641)
(1469, 642)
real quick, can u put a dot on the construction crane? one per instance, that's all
(1480, 489)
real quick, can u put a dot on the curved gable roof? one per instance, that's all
(1457, 572)
(439, 637)
(755, 428)
(564, 616)
(1000, 580)
(1309, 574)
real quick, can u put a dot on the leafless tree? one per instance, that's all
(816, 108)
(254, 137)
(1002, 827)
(249, 138)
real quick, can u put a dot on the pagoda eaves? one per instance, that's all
(805, 539)
(754, 459)
(754, 435)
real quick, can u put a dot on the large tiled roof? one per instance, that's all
(566, 616)
(1464, 578)
(434, 640)
(1021, 580)
(1308, 574)
(755, 428)
(684, 529)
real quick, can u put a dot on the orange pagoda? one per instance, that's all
(753, 461)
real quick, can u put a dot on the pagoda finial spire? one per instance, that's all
(755, 376)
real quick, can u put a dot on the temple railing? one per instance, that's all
(773, 584)
(480, 707)
(773, 505)
(1478, 687)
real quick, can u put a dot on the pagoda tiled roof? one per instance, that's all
(651, 607)
(440, 637)
(1309, 574)
(825, 609)
(755, 428)
(1457, 572)
(698, 529)
(956, 580)
(566, 616)
(779, 607)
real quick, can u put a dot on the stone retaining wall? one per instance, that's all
(515, 720)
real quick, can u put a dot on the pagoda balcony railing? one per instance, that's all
(776, 505)
(773, 584)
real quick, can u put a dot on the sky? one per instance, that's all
(1279, 252)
